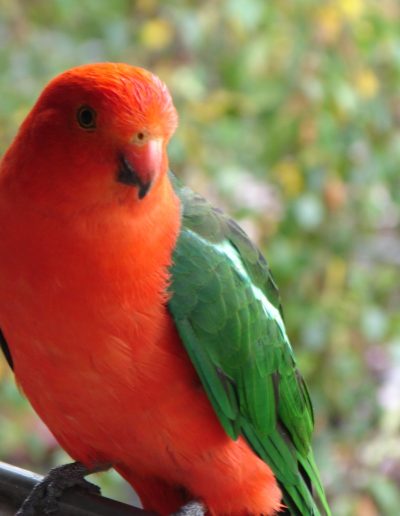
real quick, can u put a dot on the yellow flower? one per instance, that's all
(290, 177)
(328, 23)
(366, 83)
(351, 9)
(331, 17)
(156, 34)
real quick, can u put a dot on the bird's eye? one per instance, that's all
(140, 138)
(86, 117)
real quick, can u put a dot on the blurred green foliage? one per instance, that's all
(290, 120)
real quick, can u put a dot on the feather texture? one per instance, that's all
(226, 308)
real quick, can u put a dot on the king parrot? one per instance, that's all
(141, 322)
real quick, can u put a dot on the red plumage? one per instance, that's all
(84, 272)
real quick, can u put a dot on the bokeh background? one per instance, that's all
(290, 121)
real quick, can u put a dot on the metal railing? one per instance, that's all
(16, 484)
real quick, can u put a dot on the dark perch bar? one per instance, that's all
(16, 483)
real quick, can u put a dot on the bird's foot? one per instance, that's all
(193, 508)
(45, 496)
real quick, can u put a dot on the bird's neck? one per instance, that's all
(116, 246)
(140, 235)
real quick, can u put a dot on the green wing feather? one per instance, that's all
(226, 308)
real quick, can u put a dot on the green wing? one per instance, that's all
(226, 308)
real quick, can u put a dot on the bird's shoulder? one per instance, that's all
(226, 308)
(208, 230)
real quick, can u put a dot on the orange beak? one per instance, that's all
(141, 165)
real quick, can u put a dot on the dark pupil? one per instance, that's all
(86, 117)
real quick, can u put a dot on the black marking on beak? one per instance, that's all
(128, 176)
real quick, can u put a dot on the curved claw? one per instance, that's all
(193, 508)
(44, 497)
